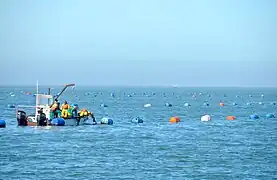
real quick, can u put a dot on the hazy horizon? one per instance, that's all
(131, 86)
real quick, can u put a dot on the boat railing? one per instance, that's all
(34, 109)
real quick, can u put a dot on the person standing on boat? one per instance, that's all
(42, 121)
(65, 108)
(55, 108)
(74, 113)
(58, 110)
(65, 105)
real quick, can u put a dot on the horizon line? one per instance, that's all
(163, 86)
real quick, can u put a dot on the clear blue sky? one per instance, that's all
(139, 42)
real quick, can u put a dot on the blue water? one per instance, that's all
(218, 149)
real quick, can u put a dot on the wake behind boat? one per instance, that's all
(47, 112)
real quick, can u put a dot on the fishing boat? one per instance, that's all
(42, 115)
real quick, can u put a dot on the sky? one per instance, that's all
(139, 42)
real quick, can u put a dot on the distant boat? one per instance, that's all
(175, 85)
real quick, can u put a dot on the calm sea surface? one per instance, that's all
(218, 149)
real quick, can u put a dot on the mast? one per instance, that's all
(49, 92)
(37, 103)
(37, 86)
(37, 95)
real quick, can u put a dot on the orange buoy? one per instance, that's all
(231, 118)
(174, 119)
(221, 104)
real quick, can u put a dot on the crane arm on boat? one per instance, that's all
(66, 86)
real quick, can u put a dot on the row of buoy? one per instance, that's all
(166, 104)
(268, 116)
(206, 104)
(207, 117)
(129, 95)
(109, 121)
(174, 119)
(169, 104)
(112, 94)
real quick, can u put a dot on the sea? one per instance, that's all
(243, 148)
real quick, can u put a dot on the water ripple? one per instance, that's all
(219, 149)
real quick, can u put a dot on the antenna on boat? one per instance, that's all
(36, 101)
(37, 86)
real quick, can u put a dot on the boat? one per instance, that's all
(41, 114)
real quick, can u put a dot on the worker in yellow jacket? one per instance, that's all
(55, 108)
(64, 110)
